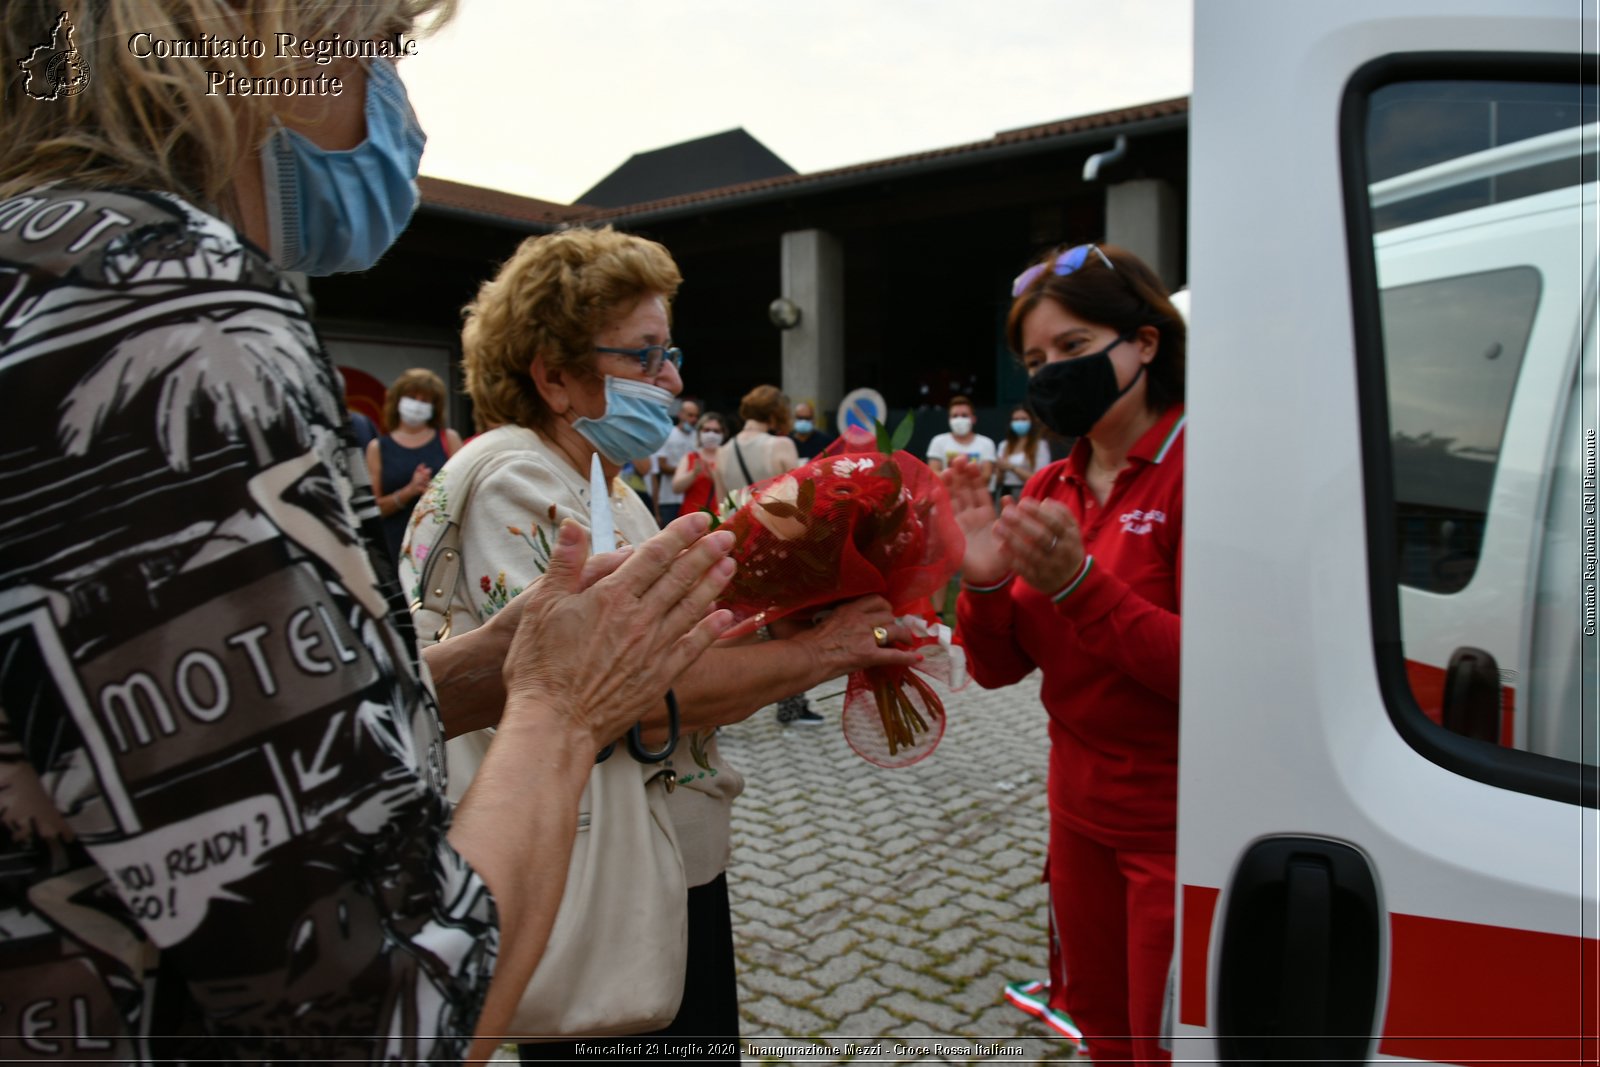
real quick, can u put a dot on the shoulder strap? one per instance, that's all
(739, 452)
(441, 570)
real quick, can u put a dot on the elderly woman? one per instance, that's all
(1080, 578)
(202, 655)
(568, 353)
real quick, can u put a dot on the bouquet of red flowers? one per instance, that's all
(864, 517)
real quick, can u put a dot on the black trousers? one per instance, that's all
(708, 1018)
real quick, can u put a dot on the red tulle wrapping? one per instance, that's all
(851, 523)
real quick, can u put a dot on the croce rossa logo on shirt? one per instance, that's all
(1141, 522)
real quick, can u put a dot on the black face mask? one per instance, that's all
(1071, 395)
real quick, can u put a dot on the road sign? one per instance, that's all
(863, 409)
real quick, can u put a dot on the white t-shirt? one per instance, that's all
(679, 444)
(1014, 465)
(944, 449)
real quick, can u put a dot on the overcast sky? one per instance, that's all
(546, 97)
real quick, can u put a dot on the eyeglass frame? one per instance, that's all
(1071, 260)
(658, 355)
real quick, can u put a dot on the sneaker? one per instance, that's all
(1034, 998)
(796, 710)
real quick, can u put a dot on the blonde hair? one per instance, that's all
(149, 122)
(550, 299)
(415, 380)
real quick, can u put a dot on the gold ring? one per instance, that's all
(880, 635)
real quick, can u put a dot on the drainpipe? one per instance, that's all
(1114, 154)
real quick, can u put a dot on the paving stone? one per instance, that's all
(837, 971)
(936, 1019)
(897, 977)
(784, 986)
(848, 999)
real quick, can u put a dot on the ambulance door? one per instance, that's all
(1387, 806)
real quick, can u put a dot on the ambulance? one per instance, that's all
(1387, 835)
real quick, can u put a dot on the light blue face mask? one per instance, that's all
(1020, 427)
(636, 422)
(804, 426)
(330, 212)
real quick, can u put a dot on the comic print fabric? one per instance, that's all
(222, 824)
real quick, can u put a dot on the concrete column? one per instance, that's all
(1142, 216)
(813, 351)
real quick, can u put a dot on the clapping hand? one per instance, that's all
(1042, 542)
(602, 642)
(985, 561)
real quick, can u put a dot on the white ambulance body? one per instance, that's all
(1387, 826)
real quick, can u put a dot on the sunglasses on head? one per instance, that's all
(1065, 263)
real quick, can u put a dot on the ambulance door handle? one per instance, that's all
(1307, 922)
(1472, 695)
(1297, 970)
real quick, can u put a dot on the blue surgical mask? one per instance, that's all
(1020, 427)
(636, 421)
(803, 426)
(330, 212)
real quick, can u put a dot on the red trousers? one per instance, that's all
(1111, 915)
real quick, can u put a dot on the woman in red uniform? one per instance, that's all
(1081, 578)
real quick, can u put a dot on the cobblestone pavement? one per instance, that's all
(892, 904)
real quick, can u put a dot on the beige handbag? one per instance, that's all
(615, 961)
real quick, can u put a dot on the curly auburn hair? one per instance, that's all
(417, 380)
(550, 299)
(766, 403)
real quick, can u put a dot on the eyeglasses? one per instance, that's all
(1064, 264)
(650, 357)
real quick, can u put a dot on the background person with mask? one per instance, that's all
(961, 440)
(666, 461)
(696, 476)
(206, 656)
(401, 462)
(1080, 579)
(1023, 452)
(808, 440)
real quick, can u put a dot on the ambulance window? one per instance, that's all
(1471, 207)
(1453, 348)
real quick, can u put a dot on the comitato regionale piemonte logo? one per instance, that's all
(56, 68)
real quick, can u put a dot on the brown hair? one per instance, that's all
(1124, 298)
(550, 299)
(415, 380)
(152, 122)
(768, 404)
(958, 400)
(1027, 444)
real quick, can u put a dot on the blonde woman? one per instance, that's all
(219, 763)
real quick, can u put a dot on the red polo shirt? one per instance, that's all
(1108, 644)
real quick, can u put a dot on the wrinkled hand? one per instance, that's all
(1043, 542)
(419, 480)
(602, 642)
(985, 561)
(844, 642)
